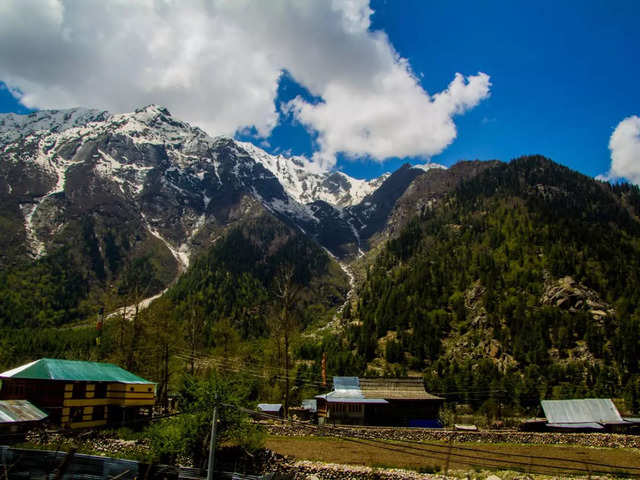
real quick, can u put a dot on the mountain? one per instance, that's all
(172, 179)
(507, 282)
(87, 197)
(521, 282)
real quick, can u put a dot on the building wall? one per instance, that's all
(346, 413)
(395, 413)
(83, 404)
(401, 412)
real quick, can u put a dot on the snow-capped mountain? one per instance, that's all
(14, 126)
(304, 182)
(149, 172)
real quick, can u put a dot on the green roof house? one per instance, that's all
(78, 394)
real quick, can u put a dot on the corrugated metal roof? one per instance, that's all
(73, 370)
(581, 411)
(15, 411)
(408, 388)
(577, 426)
(270, 407)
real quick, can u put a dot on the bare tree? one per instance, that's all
(285, 320)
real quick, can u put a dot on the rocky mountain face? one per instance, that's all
(169, 182)
(109, 190)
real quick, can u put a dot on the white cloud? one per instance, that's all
(217, 64)
(625, 151)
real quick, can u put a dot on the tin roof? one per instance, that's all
(270, 407)
(73, 370)
(16, 411)
(576, 426)
(581, 411)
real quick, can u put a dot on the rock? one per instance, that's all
(493, 477)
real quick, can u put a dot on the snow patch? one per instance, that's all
(429, 166)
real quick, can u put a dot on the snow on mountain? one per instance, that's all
(14, 126)
(174, 178)
(306, 182)
(428, 166)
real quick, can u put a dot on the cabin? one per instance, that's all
(78, 394)
(584, 415)
(379, 401)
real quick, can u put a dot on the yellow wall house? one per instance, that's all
(79, 394)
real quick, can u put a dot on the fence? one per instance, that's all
(19, 463)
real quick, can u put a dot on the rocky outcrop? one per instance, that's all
(570, 295)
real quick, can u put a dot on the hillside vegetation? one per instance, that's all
(523, 283)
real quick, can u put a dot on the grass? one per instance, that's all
(432, 456)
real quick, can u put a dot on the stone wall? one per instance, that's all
(488, 436)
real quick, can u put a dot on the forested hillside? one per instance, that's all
(523, 283)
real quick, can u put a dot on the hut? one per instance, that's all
(78, 394)
(16, 418)
(379, 401)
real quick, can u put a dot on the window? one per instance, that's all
(79, 390)
(98, 412)
(75, 414)
(101, 390)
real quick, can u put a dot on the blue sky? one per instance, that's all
(563, 76)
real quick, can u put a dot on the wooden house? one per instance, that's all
(79, 394)
(379, 401)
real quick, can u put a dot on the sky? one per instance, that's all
(353, 85)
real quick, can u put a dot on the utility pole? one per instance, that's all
(212, 443)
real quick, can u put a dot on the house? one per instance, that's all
(16, 418)
(78, 394)
(273, 409)
(379, 401)
(585, 414)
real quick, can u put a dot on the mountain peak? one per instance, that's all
(154, 109)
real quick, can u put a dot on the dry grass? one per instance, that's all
(428, 456)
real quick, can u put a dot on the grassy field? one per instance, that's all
(432, 456)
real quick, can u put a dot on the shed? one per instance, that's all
(584, 414)
(16, 417)
(274, 409)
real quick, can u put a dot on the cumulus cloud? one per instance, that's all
(625, 151)
(217, 64)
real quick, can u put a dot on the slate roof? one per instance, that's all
(409, 388)
(73, 370)
(376, 390)
(581, 413)
(17, 411)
